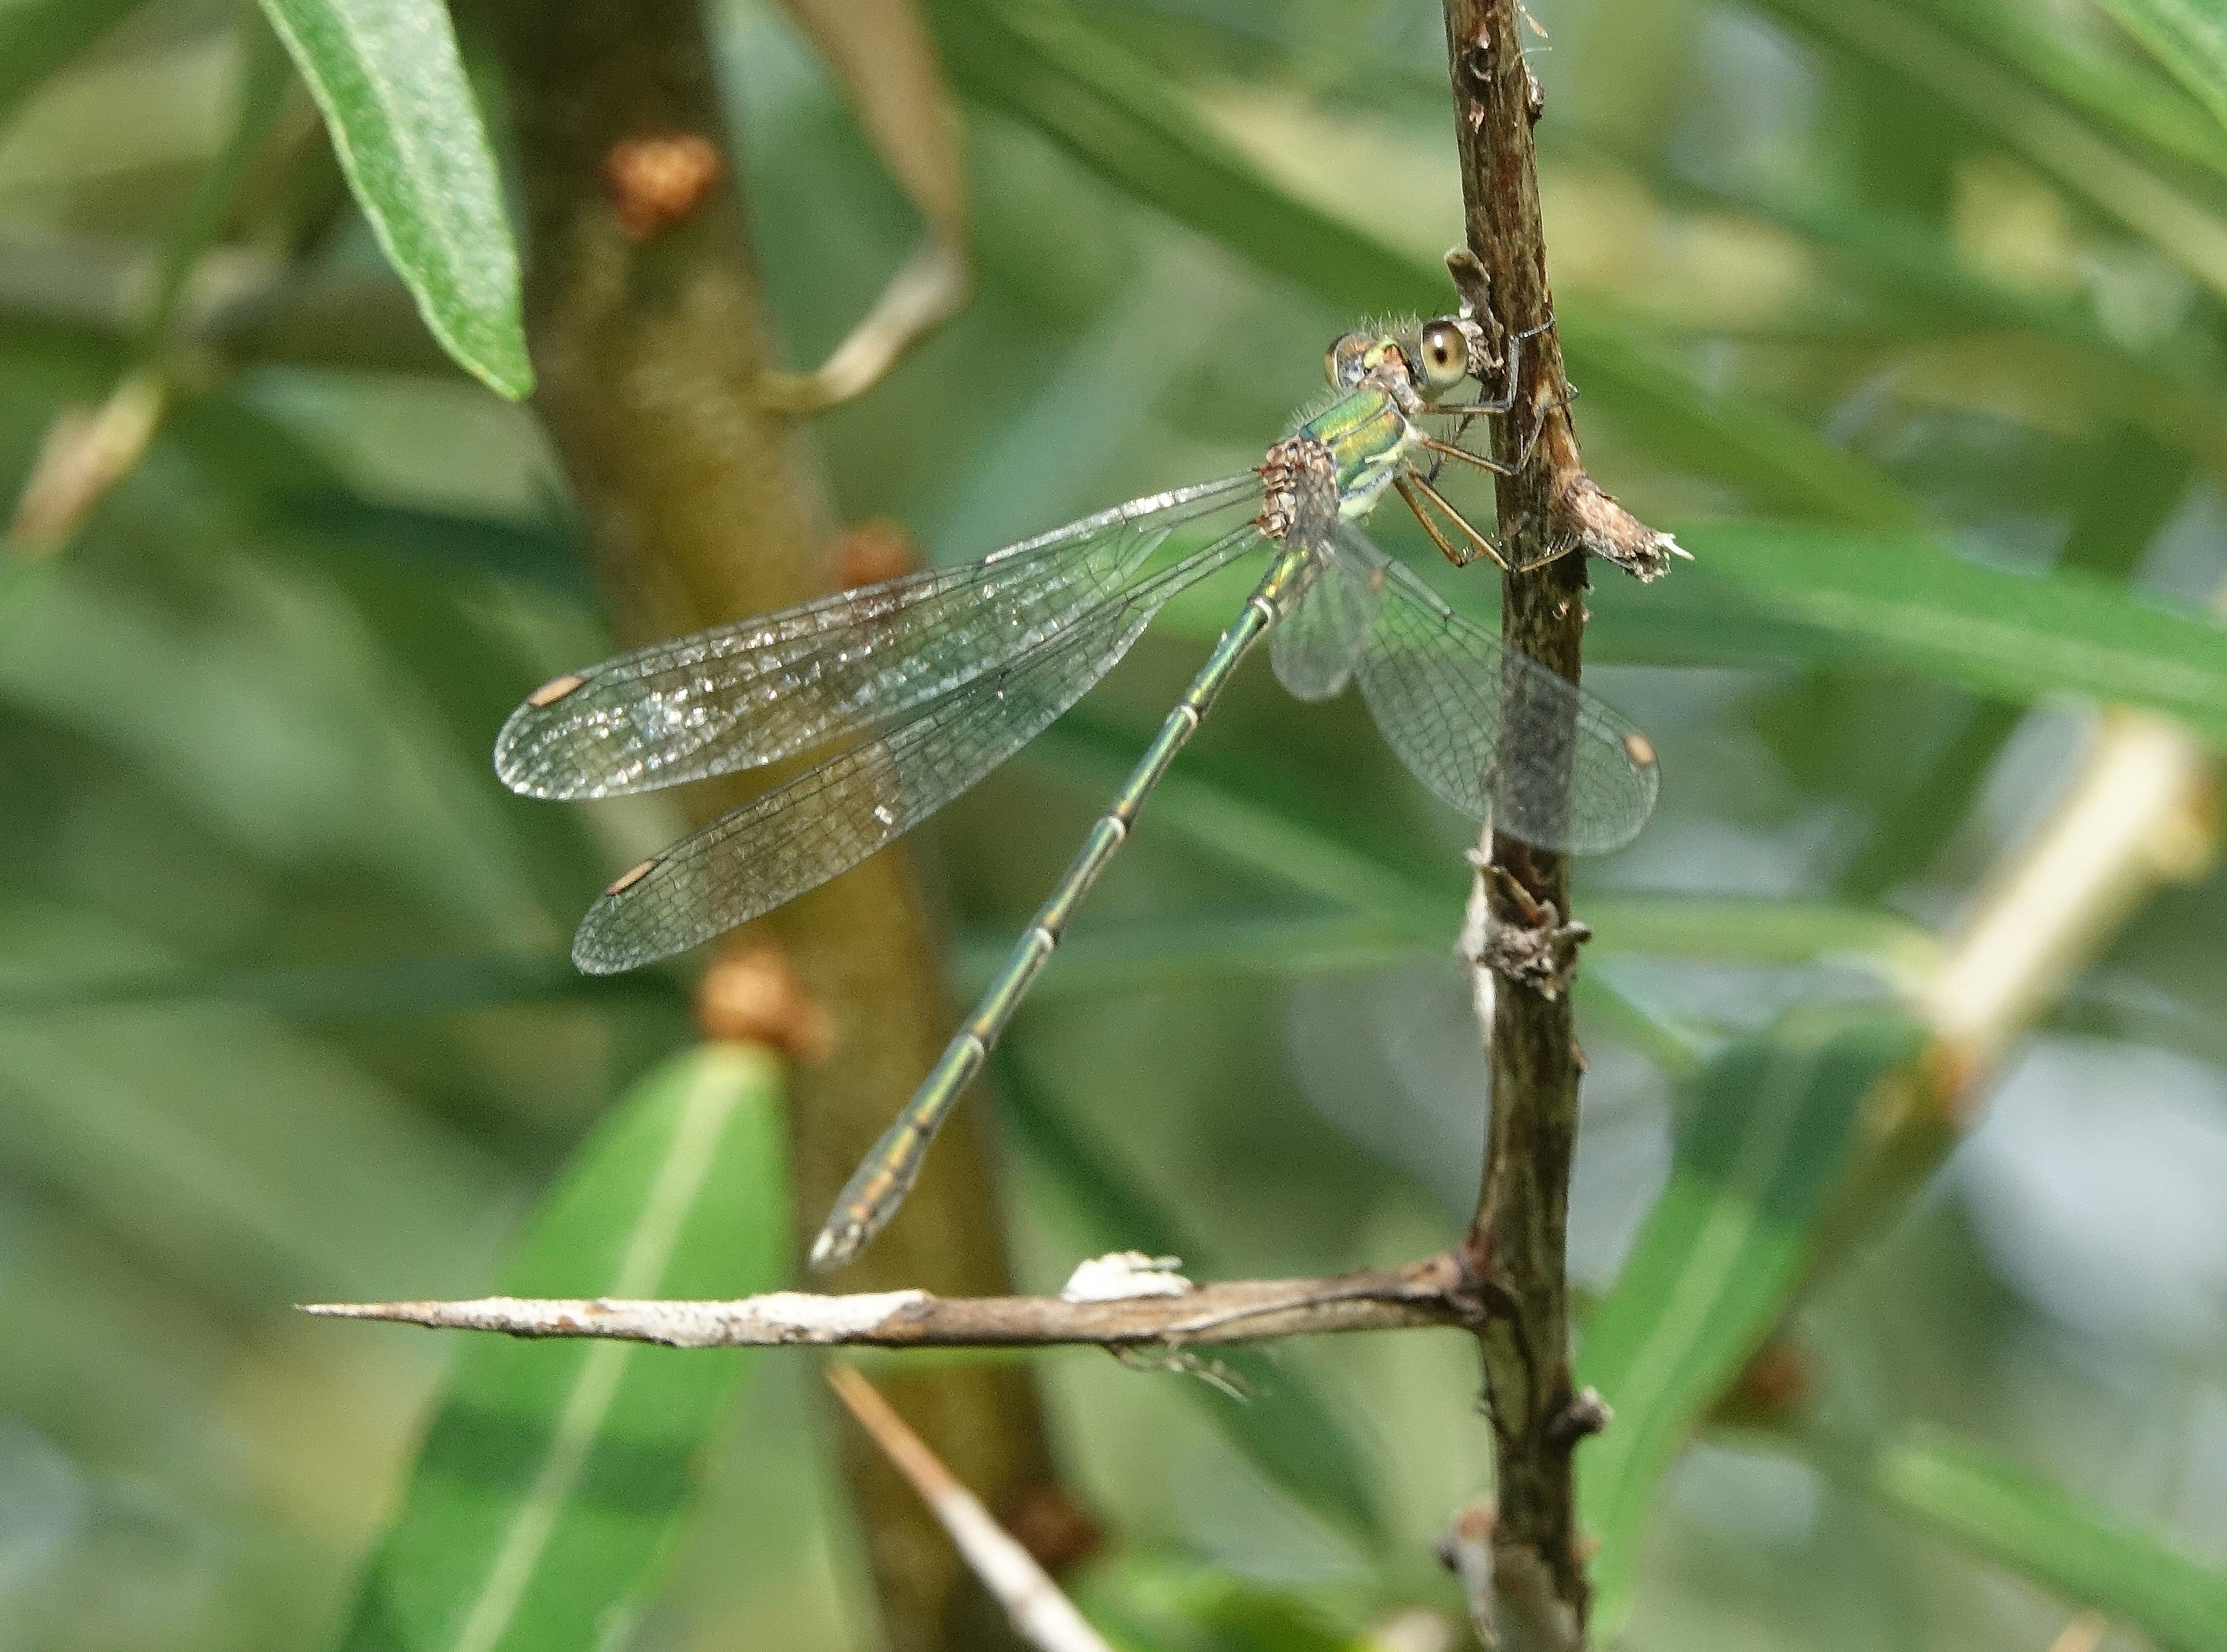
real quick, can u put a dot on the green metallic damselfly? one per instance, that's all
(945, 674)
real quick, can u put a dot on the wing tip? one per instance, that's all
(515, 749)
(593, 956)
(838, 1245)
(595, 951)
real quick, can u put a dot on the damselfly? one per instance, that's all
(943, 674)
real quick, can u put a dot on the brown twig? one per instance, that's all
(85, 453)
(1430, 1292)
(1551, 517)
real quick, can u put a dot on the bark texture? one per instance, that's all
(1516, 1245)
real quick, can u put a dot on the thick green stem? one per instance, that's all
(650, 339)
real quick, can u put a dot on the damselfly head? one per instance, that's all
(1411, 362)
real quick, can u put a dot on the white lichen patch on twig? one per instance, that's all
(1121, 1276)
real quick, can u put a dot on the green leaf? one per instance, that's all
(23, 580)
(1775, 460)
(1118, 115)
(264, 81)
(1977, 85)
(2011, 636)
(38, 38)
(237, 1153)
(555, 1473)
(1248, 814)
(1299, 1438)
(2189, 38)
(1152, 1601)
(1198, 949)
(389, 988)
(2170, 382)
(2115, 92)
(1758, 1154)
(1122, 117)
(1969, 1494)
(441, 540)
(1254, 817)
(408, 135)
(142, 668)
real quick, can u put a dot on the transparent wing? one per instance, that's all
(1315, 646)
(1439, 687)
(798, 836)
(748, 694)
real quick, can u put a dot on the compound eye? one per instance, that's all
(1347, 360)
(1445, 353)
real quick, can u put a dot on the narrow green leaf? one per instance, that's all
(2170, 383)
(2140, 485)
(39, 37)
(1970, 1494)
(1979, 85)
(390, 988)
(1296, 1435)
(412, 533)
(1157, 1601)
(264, 79)
(23, 580)
(244, 1157)
(1244, 814)
(1197, 949)
(1124, 119)
(1758, 1154)
(2011, 636)
(408, 135)
(1257, 819)
(1775, 460)
(2115, 92)
(1118, 115)
(1929, 802)
(2188, 39)
(554, 1475)
(1190, 949)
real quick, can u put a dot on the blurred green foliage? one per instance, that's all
(1906, 314)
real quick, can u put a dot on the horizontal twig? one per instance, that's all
(1429, 1292)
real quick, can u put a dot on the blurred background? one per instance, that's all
(284, 1010)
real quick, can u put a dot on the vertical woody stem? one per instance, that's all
(651, 345)
(1515, 1241)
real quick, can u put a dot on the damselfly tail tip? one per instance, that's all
(839, 1242)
